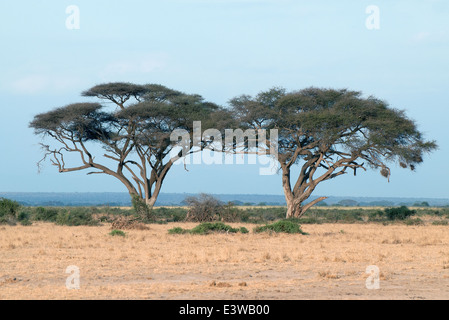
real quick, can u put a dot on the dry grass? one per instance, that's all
(329, 263)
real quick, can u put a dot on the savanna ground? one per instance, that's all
(328, 263)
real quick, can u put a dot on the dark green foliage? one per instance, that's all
(283, 226)
(141, 209)
(178, 230)
(24, 218)
(414, 222)
(135, 134)
(23, 215)
(75, 217)
(376, 215)
(317, 126)
(440, 223)
(399, 213)
(45, 214)
(260, 215)
(170, 214)
(8, 208)
(243, 230)
(84, 120)
(229, 213)
(208, 228)
(8, 211)
(312, 220)
(118, 233)
(118, 91)
(26, 222)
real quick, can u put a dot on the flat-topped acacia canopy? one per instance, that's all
(327, 132)
(135, 135)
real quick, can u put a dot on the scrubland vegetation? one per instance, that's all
(12, 213)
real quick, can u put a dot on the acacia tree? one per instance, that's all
(328, 132)
(133, 125)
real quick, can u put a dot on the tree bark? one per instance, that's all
(295, 209)
(296, 198)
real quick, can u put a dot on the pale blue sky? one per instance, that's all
(221, 49)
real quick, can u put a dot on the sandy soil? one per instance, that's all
(329, 263)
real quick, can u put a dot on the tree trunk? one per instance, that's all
(292, 209)
(296, 210)
(151, 201)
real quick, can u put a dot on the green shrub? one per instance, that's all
(75, 217)
(26, 222)
(260, 215)
(413, 222)
(8, 208)
(311, 220)
(209, 227)
(45, 214)
(170, 214)
(229, 213)
(105, 219)
(8, 211)
(23, 215)
(375, 215)
(118, 233)
(284, 226)
(400, 213)
(24, 218)
(440, 223)
(243, 230)
(178, 230)
(142, 210)
(10, 221)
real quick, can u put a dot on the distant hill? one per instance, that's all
(177, 199)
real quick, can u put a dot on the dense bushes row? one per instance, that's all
(12, 213)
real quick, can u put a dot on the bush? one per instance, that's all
(8, 208)
(229, 213)
(243, 230)
(8, 211)
(312, 220)
(284, 226)
(26, 222)
(178, 230)
(115, 233)
(141, 209)
(204, 208)
(260, 215)
(207, 228)
(170, 214)
(24, 218)
(375, 215)
(75, 217)
(400, 213)
(413, 222)
(45, 214)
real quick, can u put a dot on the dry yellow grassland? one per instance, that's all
(328, 263)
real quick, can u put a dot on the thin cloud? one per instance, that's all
(39, 83)
(430, 37)
(141, 65)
